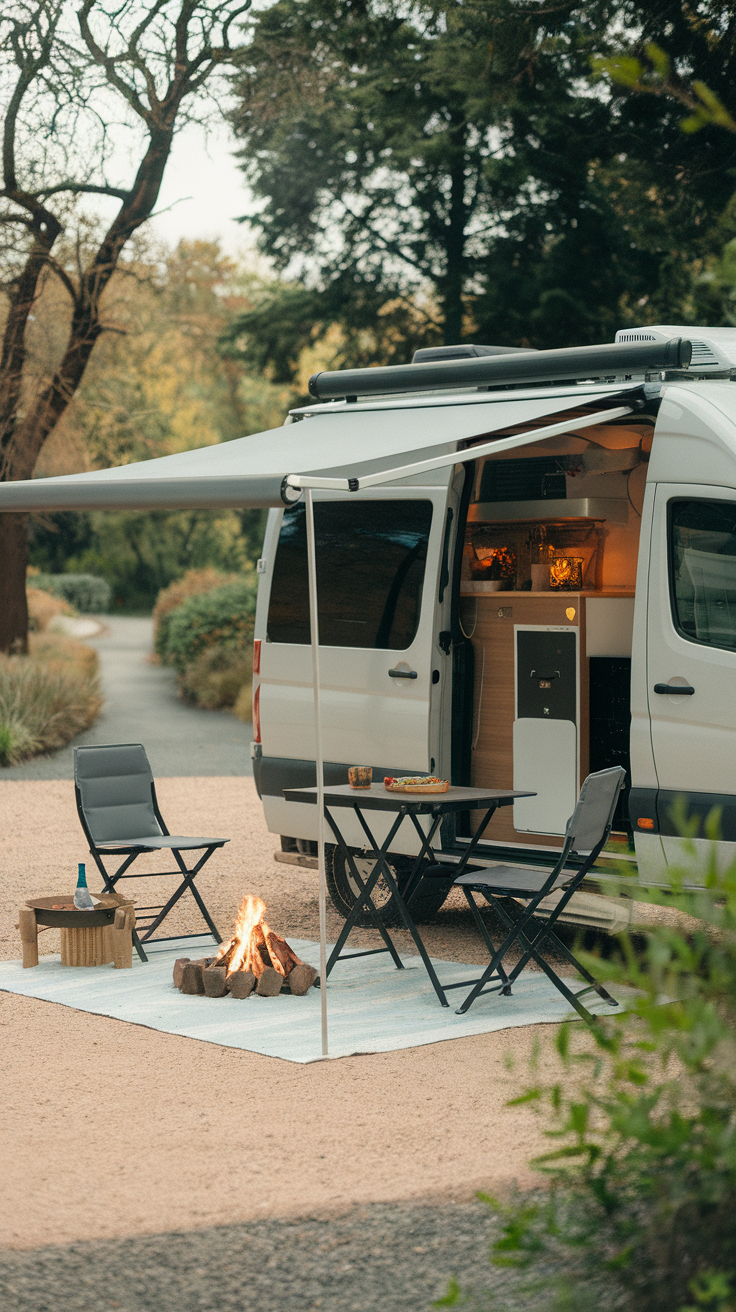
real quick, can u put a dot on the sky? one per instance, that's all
(203, 191)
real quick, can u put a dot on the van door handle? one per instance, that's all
(674, 689)
(402, 674)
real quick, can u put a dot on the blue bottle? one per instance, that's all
(82, 898)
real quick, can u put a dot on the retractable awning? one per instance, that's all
(337, 442)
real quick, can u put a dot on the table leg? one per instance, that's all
(363, 900)
(408, 922)
(28, 936)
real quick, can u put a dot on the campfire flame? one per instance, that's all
(254, 946)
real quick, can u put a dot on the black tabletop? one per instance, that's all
(378, 798)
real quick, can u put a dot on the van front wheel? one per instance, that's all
(343, 889)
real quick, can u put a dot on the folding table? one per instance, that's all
(404, 805)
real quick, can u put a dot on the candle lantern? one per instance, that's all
(566, 573)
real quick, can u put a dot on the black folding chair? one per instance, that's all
(119, 813)
(503, 887)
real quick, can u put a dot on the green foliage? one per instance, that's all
(86, 592)
(654, 73)
(641, 1123)
(445, 173)
(452, 1298)
(140, 553)
(47, 697)
(193, 582)
(220, 676)
(222, 618)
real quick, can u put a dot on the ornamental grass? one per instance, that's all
(46, 697)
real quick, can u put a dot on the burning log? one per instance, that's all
(214, 979)
(179, 965)
(255, 957)
(301, 979)
(269, 985)
(191, 979)
(242, 983)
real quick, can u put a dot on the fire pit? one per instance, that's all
(256, 958)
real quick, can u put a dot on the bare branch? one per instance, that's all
(64, 278)
(108, 62)
(86, 188)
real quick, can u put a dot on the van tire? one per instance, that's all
(342, 892)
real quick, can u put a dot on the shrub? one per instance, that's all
(644, 1114)
(86, 592)
(243, 707)
(43, 608)
(220, 676)
(46, 698)
(223, 618)
(193, 582)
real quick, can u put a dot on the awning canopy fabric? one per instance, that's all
(339, 442)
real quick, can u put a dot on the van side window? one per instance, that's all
(371, 557)
(702, 538)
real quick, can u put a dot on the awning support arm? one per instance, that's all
(299, 482)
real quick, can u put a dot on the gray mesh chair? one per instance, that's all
(504, 887)
(119, 813)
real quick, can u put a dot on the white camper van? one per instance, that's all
(518, 618)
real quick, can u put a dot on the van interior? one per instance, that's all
(545, 599)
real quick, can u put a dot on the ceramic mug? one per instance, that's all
(360, 776)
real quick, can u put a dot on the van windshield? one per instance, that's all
(371, 557)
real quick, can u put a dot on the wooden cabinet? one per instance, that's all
(511, 701)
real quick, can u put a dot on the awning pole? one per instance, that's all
(314, 630)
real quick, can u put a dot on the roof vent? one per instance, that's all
(713, 348)
(464, 352)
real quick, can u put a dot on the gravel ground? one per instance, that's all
(395, 1258)
(202, 1171)
(43, 841)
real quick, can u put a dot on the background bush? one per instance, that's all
(47, 697)
(193, 582)
(204, 628)
(43, 608)
(86, 592)
(220, 676)
(53, 693)
(222, 618)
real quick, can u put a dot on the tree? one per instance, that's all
(453, 159)
(75, 80)
(368, 130)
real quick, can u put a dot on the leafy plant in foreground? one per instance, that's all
(641, 1215)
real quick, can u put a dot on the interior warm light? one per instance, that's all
(644, 822)
(566, 572)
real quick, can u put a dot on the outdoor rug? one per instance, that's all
(371, 1006)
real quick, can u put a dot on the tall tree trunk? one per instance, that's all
(453, 282)
(13, 563)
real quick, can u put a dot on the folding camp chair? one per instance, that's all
(503, 887)
(119, 813)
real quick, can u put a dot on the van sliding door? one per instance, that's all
(378, 559)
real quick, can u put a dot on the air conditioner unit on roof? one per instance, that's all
(713, 348)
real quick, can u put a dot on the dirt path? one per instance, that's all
(141, 705)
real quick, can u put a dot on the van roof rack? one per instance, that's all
(609, 361)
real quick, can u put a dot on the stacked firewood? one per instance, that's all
(273, 968)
